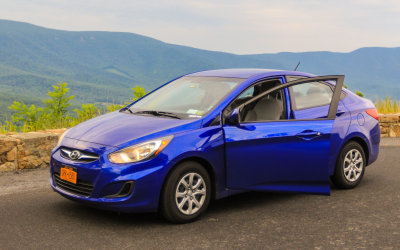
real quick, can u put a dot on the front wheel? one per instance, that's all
(350, 166)
(186, 193)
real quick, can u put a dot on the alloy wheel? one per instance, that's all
(190, 193)
(353, 165)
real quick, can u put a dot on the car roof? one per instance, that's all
(246, 73)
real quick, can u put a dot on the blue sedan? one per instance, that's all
(211, 134)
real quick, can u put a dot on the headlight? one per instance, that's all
(140, 151)
(61, 138)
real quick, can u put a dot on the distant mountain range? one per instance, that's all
(103, 66)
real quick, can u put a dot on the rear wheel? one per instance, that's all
(350, 166)
(186, 193)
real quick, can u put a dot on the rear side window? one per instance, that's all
(309, 95)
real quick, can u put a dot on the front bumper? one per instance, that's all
(107, 179)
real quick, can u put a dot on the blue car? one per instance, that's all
(211, 134)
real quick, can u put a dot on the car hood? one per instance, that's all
(117, 128)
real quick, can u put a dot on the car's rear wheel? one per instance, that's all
(186, 193)
(350, 166)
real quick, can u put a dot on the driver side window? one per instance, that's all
(268, 108)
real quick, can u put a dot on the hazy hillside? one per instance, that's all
(103, 66)
(374, 71)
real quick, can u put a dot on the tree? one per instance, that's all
(27, 117)
(114, 107)
(359, 93)
(88, 111)
(57, 104)
(55, 113)
(138, 92)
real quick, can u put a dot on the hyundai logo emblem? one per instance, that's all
(75, 155)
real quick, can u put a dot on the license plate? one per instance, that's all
(68, 174)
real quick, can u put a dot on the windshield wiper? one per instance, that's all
(158, 113)
(126, 109)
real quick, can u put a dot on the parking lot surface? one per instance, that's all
(33, 216)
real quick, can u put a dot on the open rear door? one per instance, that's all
(288, 155)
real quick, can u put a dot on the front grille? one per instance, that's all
(80, 188)
(78, 155)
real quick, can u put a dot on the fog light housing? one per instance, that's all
(124, 190)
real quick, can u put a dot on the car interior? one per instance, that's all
(269, 107)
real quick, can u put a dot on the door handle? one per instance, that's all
(308, 134)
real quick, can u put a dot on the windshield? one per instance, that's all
(187, 96)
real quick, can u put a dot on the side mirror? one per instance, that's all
(233, 118)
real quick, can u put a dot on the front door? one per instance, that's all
(268, 151)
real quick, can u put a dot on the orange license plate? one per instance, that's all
(68, 174)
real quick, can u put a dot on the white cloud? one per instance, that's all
(252, 26)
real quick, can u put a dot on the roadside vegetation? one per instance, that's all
(385, 106)
(388, 106)
(55, 112)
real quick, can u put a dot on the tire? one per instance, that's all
(350, 166)
(186, 193)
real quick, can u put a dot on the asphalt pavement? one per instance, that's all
(32, 216)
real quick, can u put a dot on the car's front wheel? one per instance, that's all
(186, 193)
(350, 166)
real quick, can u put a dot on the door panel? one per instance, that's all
(283, 155)
(273, 157)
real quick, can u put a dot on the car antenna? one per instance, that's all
(295, 69)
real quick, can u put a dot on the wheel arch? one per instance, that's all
(363, 143)
(207, 166)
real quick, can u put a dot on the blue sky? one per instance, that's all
(241, 27)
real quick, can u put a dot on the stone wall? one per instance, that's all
(27, 150)
(390, 125)
(20, 151)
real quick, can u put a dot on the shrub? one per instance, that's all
(87, 112)
(359, 93)
(138, 92)
(388, 106)
(55, 113)
(57, 104)
(114, 107)
(26, 117)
